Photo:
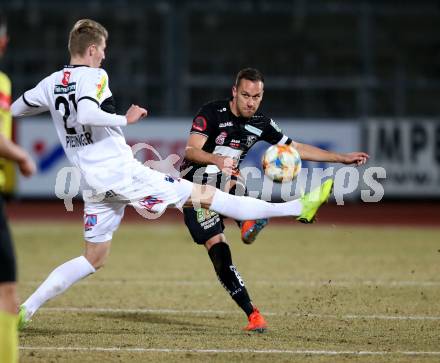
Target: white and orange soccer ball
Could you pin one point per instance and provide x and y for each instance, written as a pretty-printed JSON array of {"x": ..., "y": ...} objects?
[{"x": 281, "y": 163}]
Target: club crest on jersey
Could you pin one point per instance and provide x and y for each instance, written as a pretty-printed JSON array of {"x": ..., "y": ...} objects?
[
  {"x": 220, "y": 139},
  {"x": 100, "y": 87},
  {"x": 90, "y": 221},
  {"x": 66, "y": 77},
  {"x": 199, "y": 123}
]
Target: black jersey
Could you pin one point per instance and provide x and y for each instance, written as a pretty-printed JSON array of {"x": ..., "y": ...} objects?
[{"x": 228, "y": 135}]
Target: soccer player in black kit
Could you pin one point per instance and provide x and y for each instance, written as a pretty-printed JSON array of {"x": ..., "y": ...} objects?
[{"x": 221, "y": 135}]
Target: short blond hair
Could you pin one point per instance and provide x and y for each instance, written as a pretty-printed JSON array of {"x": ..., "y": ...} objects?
[{"x": 84, "y": 33}]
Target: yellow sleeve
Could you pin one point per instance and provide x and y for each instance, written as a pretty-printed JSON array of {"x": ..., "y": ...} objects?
[
  {"x": 7, "y": 168},
  {"x": 5, "y": 104}
]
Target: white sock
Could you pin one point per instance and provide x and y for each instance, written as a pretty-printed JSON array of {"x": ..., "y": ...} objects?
[
  {"x": 57, "y": 282},
  {"x": 243, "y": 208}
]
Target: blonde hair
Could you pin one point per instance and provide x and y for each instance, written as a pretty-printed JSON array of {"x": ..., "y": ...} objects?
[{"x": 84, "y": 33}]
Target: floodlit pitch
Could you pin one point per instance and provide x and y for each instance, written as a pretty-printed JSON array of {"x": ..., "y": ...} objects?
[{"x": 340, "y": 293}]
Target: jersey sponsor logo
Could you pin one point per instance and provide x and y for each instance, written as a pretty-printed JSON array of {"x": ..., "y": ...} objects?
[
  {"x": 221, "y": 109},
  {"x": 275, "y": 125},
  {"x": 199, "y": 123},
  {"x": 100, "y": 87},
  {"x": 234, "y": 143},
  {"x": 253, "y": 130},
  {"x": 204, "y": 214},
  {"x": 90, "y": 220},
  {"x": 207, "y": 218},
  {"x": 79, "y": 140},
  {"x": 220, "y": 139},
  {"x": 63, "y": 89},
  {"x": 149, "y": 202},
  {"x": 225, "y": 124},
  {"x": 66, "y": 77},
  {"x": 251, "y": 140}
]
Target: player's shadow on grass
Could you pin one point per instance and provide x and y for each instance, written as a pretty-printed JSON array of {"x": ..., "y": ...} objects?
[
  {"x": 148, "y": 318},
  {"x": 141, "y": 318}
]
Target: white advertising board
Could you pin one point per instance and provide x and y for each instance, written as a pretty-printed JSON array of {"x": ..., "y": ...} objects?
[
  {"x": 167, "y": 139},
  {"x": 409, "y": 151}
]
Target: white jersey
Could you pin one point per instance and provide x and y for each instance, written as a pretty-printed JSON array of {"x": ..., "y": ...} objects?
[
  {"x": 99, "y": 151},
  {"x": 80, "y": 102}
]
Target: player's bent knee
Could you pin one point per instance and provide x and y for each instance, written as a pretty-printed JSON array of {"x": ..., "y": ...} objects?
[
  {"x": 97, "y": 253},
  {"x": 214, "y": 240}
]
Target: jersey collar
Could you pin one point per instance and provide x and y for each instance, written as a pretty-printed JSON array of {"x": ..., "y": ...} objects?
[{"x": 75, "y": 65}]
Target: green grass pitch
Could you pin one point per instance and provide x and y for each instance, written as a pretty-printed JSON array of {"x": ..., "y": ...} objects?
[{"x": 329, "y": 293}]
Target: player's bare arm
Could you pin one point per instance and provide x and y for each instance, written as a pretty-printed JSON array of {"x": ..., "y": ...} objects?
[
  {"x": 13, "y": 152},
  {"x": 194, "y": 152},
  {"x": 135, "y": 113},
  {"x": 313, "y": 153}
]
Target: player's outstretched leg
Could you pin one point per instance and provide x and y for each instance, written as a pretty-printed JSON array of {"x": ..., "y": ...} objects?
[
  {"x": 251, "y": 229},
  {"x": 245, "y": 208},
  {"x": 313, "y": 200}
]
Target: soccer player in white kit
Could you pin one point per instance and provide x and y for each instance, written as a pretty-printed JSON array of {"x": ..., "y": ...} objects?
[{"x": 81, "y": 105}]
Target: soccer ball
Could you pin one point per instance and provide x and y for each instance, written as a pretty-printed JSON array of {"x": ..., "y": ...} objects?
[{"x": 281, "y": 163}]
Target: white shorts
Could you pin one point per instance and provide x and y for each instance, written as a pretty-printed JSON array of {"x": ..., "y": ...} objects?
[{"x": 150, "y": 193}]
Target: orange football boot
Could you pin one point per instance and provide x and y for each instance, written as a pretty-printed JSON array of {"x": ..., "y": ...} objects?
[
  {"x": 256, "y": 322},
  {"x": 250, "y": 229}
]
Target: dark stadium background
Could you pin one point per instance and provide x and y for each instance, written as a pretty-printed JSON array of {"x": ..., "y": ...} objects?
[
  {"x": 357, "y": 62},
  {"x": 326, "y": 59}
]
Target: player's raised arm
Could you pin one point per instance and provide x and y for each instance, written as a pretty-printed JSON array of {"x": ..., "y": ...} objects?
[
  {"x": 30, "y": 103},
  {"x": 313, "y": 153},
  {"x": 135, "y": 113},
  {"x": 89, "y": 113}
]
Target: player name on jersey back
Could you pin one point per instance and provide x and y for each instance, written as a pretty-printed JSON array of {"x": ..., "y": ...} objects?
[
  {"x": 78, "y": 140},
  {"x": 96, "y": 147}
]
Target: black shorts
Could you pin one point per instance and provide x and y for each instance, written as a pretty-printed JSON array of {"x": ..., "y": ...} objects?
[
  {"x": 7, "y": 257},
  {"x": 203, "y": 224}
]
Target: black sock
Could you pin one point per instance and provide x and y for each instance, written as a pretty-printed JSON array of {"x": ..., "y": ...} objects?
[{"x": 229, "y": 277}]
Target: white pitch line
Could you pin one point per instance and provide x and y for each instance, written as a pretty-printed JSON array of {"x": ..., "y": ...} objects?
[
  {"x": 317, "y": 283},
  {"x": 216, "y": 351},
  {"x": 227, "y": 312}
]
